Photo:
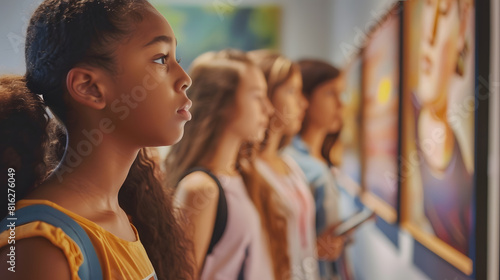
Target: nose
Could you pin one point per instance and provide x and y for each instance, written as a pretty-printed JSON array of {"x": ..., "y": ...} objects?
[
  {"x": 184, "y": 81},
  {"x": 431, "y": 37},
  {"x": 303, "y": 101},
  {"x": 338, "y": 102},
  {"x": 268, "y": 107}
]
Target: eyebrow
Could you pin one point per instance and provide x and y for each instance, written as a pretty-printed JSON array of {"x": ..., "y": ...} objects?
[{"x": 162, "y": 38}]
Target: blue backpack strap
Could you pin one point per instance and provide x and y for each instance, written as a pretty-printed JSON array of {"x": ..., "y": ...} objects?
[{"x": 90, "y": 268}]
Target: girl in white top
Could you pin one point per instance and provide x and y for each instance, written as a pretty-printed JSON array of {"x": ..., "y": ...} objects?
[
  {"x": 281, "y": 172},
  {"x": 230, "y": 110}
]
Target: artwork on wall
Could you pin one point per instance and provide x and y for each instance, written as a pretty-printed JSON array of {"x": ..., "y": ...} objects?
[
  {"x": 346, "y": 153},
  {"x": 206, "y": 28},
  {"x": 380, "y": 116},
  {"x": 437, "y": 170}
]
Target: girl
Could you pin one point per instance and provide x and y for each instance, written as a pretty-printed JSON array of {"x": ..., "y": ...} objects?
[
  {"x": 311, "y": 149},
  {"x": 233, "y": 237},
  {"x": 107, "y": 70},
  {"x": 285, "y": 92},
  {"x": 284, "y": 84}
]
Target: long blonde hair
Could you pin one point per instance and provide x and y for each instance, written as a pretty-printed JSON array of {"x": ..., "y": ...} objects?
[
  {"x": 216, "y": 76},
  {"x": 278, "y": 70}
]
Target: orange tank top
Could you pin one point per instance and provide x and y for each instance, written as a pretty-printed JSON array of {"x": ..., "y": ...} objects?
[{"x": 119, "y": 259}]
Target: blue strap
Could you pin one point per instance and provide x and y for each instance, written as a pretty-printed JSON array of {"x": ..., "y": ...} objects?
[{"x": 90, "y": 268}]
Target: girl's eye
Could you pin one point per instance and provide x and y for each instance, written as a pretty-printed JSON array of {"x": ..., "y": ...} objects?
[
  {"x": 161, "y": 60},
  {"x": 178, "y": 60}
]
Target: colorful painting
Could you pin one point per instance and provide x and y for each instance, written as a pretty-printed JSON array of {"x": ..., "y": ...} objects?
[
  {"x": 199, "y": 29},
  {"x": 438, "y": 131},
  {"x": 349, "y": 146},
  {"x": 380, "y": 117}
]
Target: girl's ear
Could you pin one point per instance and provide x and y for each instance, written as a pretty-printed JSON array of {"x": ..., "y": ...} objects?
[{"x": 85, "y": 87}]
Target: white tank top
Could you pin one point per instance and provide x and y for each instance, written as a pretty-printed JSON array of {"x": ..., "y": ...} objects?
[{"x": 242, "y": 252}]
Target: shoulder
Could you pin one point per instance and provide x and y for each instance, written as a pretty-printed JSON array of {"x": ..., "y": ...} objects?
[
  {"x": 35, "y": 258},
  {"x": 197, "y": 181},
  {"x": 36, "y": 243},
  {"x": 197, "y": 187},
  {"x": 311, "y": 168}
]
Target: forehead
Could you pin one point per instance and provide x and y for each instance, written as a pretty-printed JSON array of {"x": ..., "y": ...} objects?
[
  {"x": 253, "y": 73},
  {"x": 252, "y": 77},
  {"x": 152, "y": 25},
  {"x": 330, "y": 85},
  {"x": 296, "y": 77}
]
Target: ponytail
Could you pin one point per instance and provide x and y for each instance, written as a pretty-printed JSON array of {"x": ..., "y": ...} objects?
[{"x": 23, "y": 123}]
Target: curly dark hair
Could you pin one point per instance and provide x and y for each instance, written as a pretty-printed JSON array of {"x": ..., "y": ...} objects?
[
  {"x": 61, "y": 35},
  {"x": 23, "y": 121}
]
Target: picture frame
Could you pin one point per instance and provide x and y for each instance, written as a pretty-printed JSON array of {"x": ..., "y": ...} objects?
[
  {"x": 438, "y": 157},
  {"x": 380, "y": 125}
]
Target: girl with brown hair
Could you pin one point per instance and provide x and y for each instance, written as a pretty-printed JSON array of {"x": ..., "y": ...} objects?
[
  {"x": 284, "y": 81},
  {"x": 322, "y": 84},
  {"x": 107, "y": 70},
  {"x": 237, "y": 229}
]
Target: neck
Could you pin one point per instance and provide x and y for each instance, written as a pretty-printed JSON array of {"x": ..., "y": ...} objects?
[
  {"x": 224, "y": 158},
  {"x": 314, "y": 138},
  {"x": 271, "y": 151},
  {"x": 92, "y": 171}
]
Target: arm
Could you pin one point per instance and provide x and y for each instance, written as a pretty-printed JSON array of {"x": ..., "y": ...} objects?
[
  {"x": 36, "y": 258},
  {"x": 197, "y": 196}
]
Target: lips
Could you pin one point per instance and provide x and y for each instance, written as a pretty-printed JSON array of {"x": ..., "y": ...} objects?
[
  {"x": 184, "y": 111},
  {"x": 426, "y": 64}
]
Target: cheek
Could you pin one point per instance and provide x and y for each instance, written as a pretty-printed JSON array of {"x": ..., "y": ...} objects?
[
  {"x": 286, "y": 110},
  {"x": 154, "y": 118},
  {"x": 315, "y": 113},
  {"x": 448, "y": 60},
  {"x": 245, "y": 121}
]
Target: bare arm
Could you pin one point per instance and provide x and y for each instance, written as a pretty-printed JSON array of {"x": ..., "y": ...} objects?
[
  {"x": 197, "y": 196},
  {"x": 35, "y": 258}
]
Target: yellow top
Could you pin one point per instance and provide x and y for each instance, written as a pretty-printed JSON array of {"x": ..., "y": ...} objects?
[{"x": 119, "y": 259}]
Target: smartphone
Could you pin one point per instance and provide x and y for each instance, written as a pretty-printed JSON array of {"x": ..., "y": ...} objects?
[{"x": 353, "y": 222}]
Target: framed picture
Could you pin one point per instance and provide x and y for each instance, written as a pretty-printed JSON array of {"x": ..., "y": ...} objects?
[
  {"x": 437, "y": 166},
  {"x": 200, "y": 29},
  {"x": 380, "y": 116},
  {"x": 346, "y": 152}
]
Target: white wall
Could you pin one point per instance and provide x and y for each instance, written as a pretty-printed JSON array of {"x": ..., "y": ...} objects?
[{"x": 14, "y": 17}]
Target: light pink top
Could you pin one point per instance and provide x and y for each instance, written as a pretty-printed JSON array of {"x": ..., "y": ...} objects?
[
  {"x": 242, "y": 252},
  {"x": 299, "y": 209}
]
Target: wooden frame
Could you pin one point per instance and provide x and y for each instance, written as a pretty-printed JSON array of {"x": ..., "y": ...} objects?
[{"x": 418, "y": 185}]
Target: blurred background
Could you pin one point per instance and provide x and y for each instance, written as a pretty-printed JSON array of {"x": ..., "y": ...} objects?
[{"x": 376, "y": 43}]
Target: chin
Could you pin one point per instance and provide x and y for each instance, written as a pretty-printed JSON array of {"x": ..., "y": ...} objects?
[
  {"x": 177, "y": 139},
  {"x": 292, "y": 130},
  {"x": 336, "y": 127},
  {"x": 172, "y": 136},
  {"x": 257, "y": 137},
  {"x": 426, "y": 92}
]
